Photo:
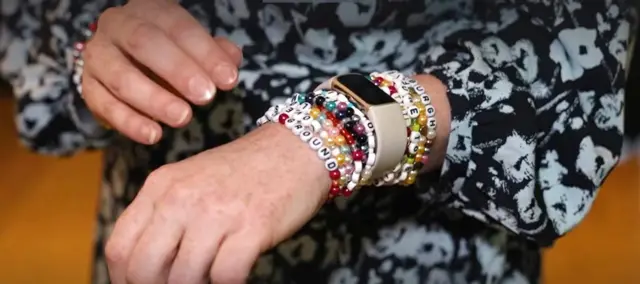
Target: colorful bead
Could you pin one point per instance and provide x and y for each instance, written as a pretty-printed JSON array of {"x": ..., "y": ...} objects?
[
  {"x": 283, "y": 118},
  {"x": 334, "y": 175}
]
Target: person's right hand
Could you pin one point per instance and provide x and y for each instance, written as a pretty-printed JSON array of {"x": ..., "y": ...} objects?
[{"x": 146, "y": 60}]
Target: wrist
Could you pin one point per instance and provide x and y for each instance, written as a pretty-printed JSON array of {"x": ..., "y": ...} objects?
[
  {"x": 290, "y": 159},
  {"x": 438, "y": 93}
]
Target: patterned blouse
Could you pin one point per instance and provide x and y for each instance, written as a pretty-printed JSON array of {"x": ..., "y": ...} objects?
[{"x": 536, "y": 90}]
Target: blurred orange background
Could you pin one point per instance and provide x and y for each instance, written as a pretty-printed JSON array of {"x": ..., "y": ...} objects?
[{"x": 47, "y": 209}]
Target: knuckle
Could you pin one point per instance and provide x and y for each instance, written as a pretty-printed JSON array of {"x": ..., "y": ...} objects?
[
  {"x": 115, "y": 253},
  {"x": 108, "y": 15},
  {"x": 140, "y": 35},
  {"x": 161, "y": 176}
]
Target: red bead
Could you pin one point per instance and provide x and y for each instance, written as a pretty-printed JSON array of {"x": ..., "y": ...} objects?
[
  {"x": 344, "y": 132},
  {"x": 334, "y": 175},
  {"x": 282, "y": 118},
  {"x": 357, "y": 155},
  {"x": 334, "y": 191},
  {"x": 392, "y": 90},
  {"x": 93, "y": 27},
  {"x": 408, "y": 131},
  {"x": 350, "y": 140},
  {"x": 346, "y": 193}
]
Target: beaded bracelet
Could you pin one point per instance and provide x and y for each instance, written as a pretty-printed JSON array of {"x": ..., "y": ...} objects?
[
  {"x": 420, "y": 115},
  {"x": 353, "y": 123},
  {"x": 320, "y": 136},
  {"x": 78, "y": 61}
]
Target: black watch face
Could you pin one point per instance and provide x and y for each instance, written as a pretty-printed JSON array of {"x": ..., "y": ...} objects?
[{"x": 365, "y": 89}]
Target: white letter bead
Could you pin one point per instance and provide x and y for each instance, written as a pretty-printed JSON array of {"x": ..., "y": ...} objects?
[
  {"x": 369, "y": 126},
  {"x": 389, "y": 177},
  {"x": 414, "y": 136},
  {"x": 426, "y": 100},
  {"x": 315, "y": 143},
  {"x": 297, "y": 129},
  {"x": 306, "y": 135},
  {"x": 419, "y": 89},
  {"x": 262, "y": 120},
  {"x": 351, "y": 185},
  {"x": 413, "y": 148},
  {"x": 431, "y": 122},
  {"x": 331, "y": 164},
  {"x": 371, "y": 140},
  {"x": 289, "y": 110},
  {"x": 306, "y": 120},
  {"x": 324, "y": 153},
  {"x": 358, "y": 166},
  {"x": 355, "y": 176},
  {"x": 404, "y": 175},
  {"x": 305, "y": 107},
  {"x": 430, "y": 110},
  {"x": 290, "y": 122},
  {"x": 371, "y": 159},
  {"x": 316, "y": 125},
  {"x": 407, "y": 168},
  {"x": 298, "y": 115}
]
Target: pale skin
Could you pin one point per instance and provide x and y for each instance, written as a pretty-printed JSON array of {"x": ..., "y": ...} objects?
[{"x": 200, "y": 220}]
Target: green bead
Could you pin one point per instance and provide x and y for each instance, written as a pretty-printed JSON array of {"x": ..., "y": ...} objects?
[
  {"x": 330, "y": 106},
  {"x": 415, "y": 127},
  {"x": 301, "y": 99}
]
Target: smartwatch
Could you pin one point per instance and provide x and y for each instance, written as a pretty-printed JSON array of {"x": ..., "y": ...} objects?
[{"x": 384, "y": 113}]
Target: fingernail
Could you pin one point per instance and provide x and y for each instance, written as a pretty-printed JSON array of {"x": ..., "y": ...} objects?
[
  {"x": 151, "y": 134},
  {"x": 178, "y": 113},
  {"x": 202, "y": 90},
  {"x": 226, "y": 73}
]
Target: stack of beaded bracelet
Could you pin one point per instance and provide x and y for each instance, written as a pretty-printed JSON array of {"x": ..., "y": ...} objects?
[
  {"x": 78, "y": 61},
  {"x": 353, "y": 124},
  {"x": 341, "y": 127},
  {"x": 322, "y": 135},
  {"x": 421, "y": 124}
]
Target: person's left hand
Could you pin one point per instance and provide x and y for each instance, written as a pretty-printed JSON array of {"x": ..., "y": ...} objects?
[{"x": 208, "y": 218}]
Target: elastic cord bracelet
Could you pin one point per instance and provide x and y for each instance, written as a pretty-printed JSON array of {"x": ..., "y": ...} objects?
[
  {"x": 421, "y": 124},
  {"x": 322, "y": 137},
  {"x": 78, "y": 61},
  {"x": 355, "y": 126}
]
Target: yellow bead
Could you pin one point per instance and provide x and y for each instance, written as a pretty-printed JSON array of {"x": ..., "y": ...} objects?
[
  {"x": 418, "y": 157},
  {"x": 410, "y": 180},
  {"x": 340, "y": 158},
  {"x": 314, "y": 113},
  {"x": 422, "y": 119},
  {"x": 340, "y": 140},
  {"x": 329, "y": 142},
  {"x": 343, "y": 180}
]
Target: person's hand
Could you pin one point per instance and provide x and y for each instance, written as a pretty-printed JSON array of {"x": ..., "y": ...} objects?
[
  {"x": 207, "y": 218},
  {"x": 146, "y": 60}
]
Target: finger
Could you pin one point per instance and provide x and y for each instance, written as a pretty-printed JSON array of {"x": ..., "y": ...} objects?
[
  {"x": 133, "y": 222},
  {"x": 197, "y": 250},
  {"x": 124, "y": 237},
  {"x": 149, "y": 46},
  {"x": 133, "y": 87},
  {"x": 157, "y": 247},
  {"x": 235, "y": 259},
  {"x": 231, "y": 49},
  {"x": 118, "y": 115},
  {"x": 195, "y": 40}
]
